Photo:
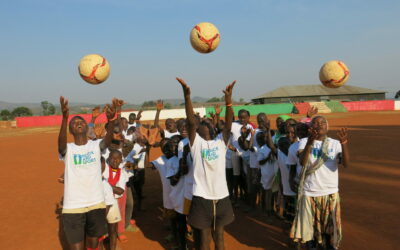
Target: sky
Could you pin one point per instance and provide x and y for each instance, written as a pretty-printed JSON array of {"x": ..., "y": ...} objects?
[{"x": 265, "y": 44}]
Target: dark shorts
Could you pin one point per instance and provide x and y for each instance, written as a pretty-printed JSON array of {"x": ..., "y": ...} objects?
[
  {"x": 92, "y": 223},
  {"x": 201, "y": 215}
]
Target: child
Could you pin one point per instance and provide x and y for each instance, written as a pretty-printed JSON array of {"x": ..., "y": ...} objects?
[
  {"x": 175, "y": 175},
  {"x": 170, "y": 124},
  {"x": 84, "y": 209},
  {"x": 134, "y": 120},
  {"x": 160, "y": 164},
  {"x": 318, "y": 210},
  {"x": 289, "y": 196},
  {"x": 117, "y": 178},
  {"x": 211, "y": 209},
  {"x": 266, "y": 157}
]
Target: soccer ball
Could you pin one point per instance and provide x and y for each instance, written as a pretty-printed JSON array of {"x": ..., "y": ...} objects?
[
  {"x": 94, "y": 69},
  {"x": 334, "y": 74},
  {"x": 205, "y": 37}
]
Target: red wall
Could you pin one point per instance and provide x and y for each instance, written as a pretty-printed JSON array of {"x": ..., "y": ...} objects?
[
  {"x": 302, "y": 107},
  {"x": 52, "y": 120},
  {"x": 369, "y": 105}
]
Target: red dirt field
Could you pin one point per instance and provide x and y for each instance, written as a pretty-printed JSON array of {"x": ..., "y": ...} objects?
[{"x": 369, "y": 189}]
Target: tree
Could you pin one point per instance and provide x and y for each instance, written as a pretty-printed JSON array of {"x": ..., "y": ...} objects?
[
  {"x": 5, "y": 115},
  {"x": 149, "y": 104},
  {"x": 48, "y": 108},
  {"x": 167, "y": 106},
  {"x": 214, "y": 99},
  {"x": 21, "y": 111}
]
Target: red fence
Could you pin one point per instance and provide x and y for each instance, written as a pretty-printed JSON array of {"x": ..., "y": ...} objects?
[
  {"x": 302, "y": 107},
  {"x": 52, "y": 120},
  {"x": 369, "y": 105}
]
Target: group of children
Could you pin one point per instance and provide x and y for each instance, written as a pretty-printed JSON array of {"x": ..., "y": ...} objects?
[{"x": 207, "y": 165}]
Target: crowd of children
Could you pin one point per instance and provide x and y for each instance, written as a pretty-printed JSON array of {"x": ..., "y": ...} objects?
[{"x": 207, "y": 167}]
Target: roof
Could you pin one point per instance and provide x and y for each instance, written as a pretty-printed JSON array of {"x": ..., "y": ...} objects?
[{"x": 316, "y": 90}]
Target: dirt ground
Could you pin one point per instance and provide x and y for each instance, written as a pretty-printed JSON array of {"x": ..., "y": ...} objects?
[{"x": 369, "y": 189}]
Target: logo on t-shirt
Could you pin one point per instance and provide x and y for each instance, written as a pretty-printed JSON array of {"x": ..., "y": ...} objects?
[
  {"x": 84, "y": 158},
  {"x": 209, "y": 154}
]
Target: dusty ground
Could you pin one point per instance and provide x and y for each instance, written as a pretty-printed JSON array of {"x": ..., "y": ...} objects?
[{"x": 369, "y": 190}]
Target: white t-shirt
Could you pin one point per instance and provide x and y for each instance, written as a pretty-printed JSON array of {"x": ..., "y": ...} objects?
[
  {"x": 292, "y": 158},
  {"x": 108, "y": 193},
  {"x": 123, "y": 178},
  {"x": 284, "y": 174},
  {"x": 188, "y": 178},
  {"x": 82, "y": 175},
  {"x": 209, "y": 168},
  {"x": 236, "y": 133},
  {"x": 168, "y": 134},
  {"x": 253, "y": 155},
  {"x": 325, "y": 180},
  {"x": 177, "y": 192},
  {"x": 131, "y": 125},
  {"x": 135, "y": 156},
  {"x": 269, "y": 169},
  {"x": 160, "y": 165}
]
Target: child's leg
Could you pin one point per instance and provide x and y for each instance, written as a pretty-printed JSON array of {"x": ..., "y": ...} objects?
[
  {"x": 182, "y": 229},
  {"x": 174, "y": 227},
  {"x": 268, "y": 201},
  {"x": 122, "y": 206},
  {"x": 113, "y": 235},
  {"x": 129, "y": 206},
  {"x": 205, "y": 239},
  {"x": 218, "y": 237}
]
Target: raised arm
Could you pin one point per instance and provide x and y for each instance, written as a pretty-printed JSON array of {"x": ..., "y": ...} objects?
[
  {"x": 62, "y": 136},
  {"x": 305, "y": 154},
  {"x": 110, "y": 113},
  {"x": 139, "y": 115},
  {"x": 191, "y": 120},
  {"x": 342, "y": 134},
  {"x": 269, "y": 140},
  {"x": 159, "y": 107},
  {"x": 228, "y": 112},
  {"x": 95, "y": 113}
]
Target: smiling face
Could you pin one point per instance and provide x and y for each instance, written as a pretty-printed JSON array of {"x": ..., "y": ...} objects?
[
  {"x": 78, "y": 126},
  {"x": 262, "y": 121},
  {"x": 182, "y": 128},
  {"x": 291, "y": 133},
  {"x": 124, "y": 123},
  {"x": 115, "y": 159}
]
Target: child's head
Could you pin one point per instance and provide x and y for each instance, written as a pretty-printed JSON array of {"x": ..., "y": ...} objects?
[
  {"x": 291, "y": 133},
  {"x": 320, "y": 124},
  {"x": 244, "y": 116},
  {"x": 131, "y": 130},
  {"x": 260, "y": 138},
  {"x": 114, "y": 159},
  {"x": 172, "y": 146},
  {"x": 302, "y": 130},
  {"x": 182, "y": 128},
  {"x": 124, "y": 123},
  {"x": 207, "y": 130},
  {"x": 165, "y": 148},
  {"x": 78, "y": 126},
  {"x": 132, "y": 117},
  {"x": 244, "y": 131},
  {"x": 262, "y": 121},
  {"x": 284, "y": 144},
  {"x": 127, "y": 147},
  {"x": 170, "y": 125}
]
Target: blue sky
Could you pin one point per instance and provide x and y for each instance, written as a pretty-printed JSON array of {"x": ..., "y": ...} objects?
[{"x": 264, "y": 45}]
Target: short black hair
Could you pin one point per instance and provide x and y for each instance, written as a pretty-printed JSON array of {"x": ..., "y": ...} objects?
[
  {"x": 243, "y": 111},
  {"x": 73, "y": 119}
]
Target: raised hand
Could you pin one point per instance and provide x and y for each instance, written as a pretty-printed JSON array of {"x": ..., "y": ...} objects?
[
  {"x": 185, "y": 87},
  {"x": 159, "y": 105},
  {"x": 343, "y": 135},
  {"x": 313, "y": 110},
  {"x": 64, "y": 107},
  {"x": 217, "y": 109},
  {"x": 139, "y": 115},
  {"x": 110, "y": 111},
  {"x": 228, "y": 93},
  {"x": 96, "y": 112},
  {"x": 314, "y": 133}
]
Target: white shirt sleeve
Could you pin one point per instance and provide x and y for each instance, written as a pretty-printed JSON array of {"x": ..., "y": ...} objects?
[
  {"x": 302, "y": 143},
  {"x": 263, "y": 153},
  {"x": 180, "y": 149}
]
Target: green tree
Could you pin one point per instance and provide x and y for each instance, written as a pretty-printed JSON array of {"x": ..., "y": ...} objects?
[
  {"x": 48, "y": 108},
  {"x": 5, "y": 115},
  {"x": 167, "y": 106},
  {"x": 149, "y": 104},
  {"x": 21, "y": 111},
  {"x": 214, "y": 99}
]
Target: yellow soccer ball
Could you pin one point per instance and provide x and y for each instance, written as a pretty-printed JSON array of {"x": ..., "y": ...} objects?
[
  {"x": 94, "y": 69},
  {"x": 334, "y": 74},
  {"x": 205, "y": 37}
]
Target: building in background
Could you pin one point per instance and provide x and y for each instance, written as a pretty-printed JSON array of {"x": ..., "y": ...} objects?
[{"x": 318, "y": 93}]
